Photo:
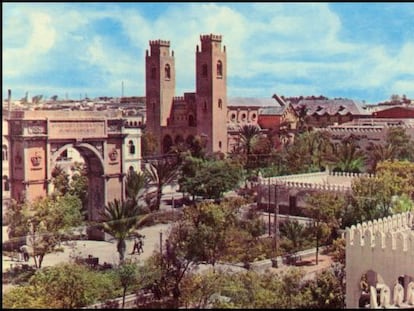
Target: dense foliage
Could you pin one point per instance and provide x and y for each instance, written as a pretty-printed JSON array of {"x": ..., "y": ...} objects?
[{"x": 44, "y": 222}]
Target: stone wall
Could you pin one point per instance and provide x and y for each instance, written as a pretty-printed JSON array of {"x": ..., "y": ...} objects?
[{"x": 384, "y": 246}]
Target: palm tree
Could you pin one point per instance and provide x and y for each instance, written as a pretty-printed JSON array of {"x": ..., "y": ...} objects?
[
  {"x": 294, "y": 232},
  {"x": 158, "y": 174},
  {"x": 120, "y": 219},
  {"x": 302, "y": 112},
  {"x": 135, "y": 186},
  {"x": 378, "y": 152},
  {"x": 347, "y": 156},
  {"x": 248, "y": 136}
]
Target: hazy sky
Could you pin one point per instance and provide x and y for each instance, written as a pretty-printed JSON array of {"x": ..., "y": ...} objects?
[{"x": 362, "y": 51}]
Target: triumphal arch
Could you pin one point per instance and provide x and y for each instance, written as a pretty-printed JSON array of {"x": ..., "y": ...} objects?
[{"x": 37, "y": 138}]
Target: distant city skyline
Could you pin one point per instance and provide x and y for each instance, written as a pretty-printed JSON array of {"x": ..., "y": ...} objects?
[{"x": 360, "y": 51}]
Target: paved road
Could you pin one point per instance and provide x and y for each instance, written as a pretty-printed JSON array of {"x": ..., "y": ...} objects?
[{"x": 105, "y": 251}]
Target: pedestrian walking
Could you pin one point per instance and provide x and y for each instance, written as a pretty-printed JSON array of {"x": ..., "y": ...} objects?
[
  {"x": 25, "y": 251},
  {"x": 136, "y": 246}
]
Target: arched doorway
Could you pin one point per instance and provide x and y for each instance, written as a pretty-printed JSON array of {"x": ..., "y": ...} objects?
[
  {"x": 167, "y": 143},
  {"x": 178, "y": 139},
  {"x": 95, "y": 172}
]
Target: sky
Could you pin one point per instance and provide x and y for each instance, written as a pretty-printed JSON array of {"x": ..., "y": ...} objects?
[{"x": 360, "y": 51}]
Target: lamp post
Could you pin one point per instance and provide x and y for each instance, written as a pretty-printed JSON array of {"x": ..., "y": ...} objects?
[
  {"x": 268, "y": 203},
  {"x": 161, "y": 243},
  {"x": 276, "y": 228}
]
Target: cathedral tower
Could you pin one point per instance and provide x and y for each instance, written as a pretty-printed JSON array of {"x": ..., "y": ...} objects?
[
  {"x": 160, "y": 86},
  {"x": 211, "y": 92}
]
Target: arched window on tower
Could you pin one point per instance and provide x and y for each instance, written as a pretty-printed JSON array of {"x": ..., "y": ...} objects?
[
  {"x": 153, "y": 73},
  {"x": 191, "y": 121},
  {"x": 6, "y": 185},
  {"x": 220, "y": 103},
  {"x": 219, "y": 69},
  {"x": 205, "y": 70},
  {"x": 4, "y": 153},
  {"x": 167, "y": 72},
  {"x": 131, "y": 147}
]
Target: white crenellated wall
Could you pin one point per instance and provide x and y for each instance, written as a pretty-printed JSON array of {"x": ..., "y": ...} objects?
[
  {"x": 300, "y": 184},
  {"x": 385, "y": 246}
]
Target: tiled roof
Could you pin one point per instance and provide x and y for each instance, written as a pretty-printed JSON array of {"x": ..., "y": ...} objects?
[
  {"x": 272, "y": 111},
  {"x": 330, "y": 106},
  {"x": 251, "y": 102}
]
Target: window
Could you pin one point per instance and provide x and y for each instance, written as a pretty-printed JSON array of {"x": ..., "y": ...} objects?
[
  {"x": 233, "y": 116},
  {"x": 205, "y": 70},
  {"x": 220, "y": 144},
  {"x": 131, "y": 169},
  {"x": 243, "y": 117},
  {"x": 153, "y": 73},
  {"x": 220, "y": 103},
  {"x": 131, "y": 147},
  {"x": 219, "y": 69},
  {"x": 253, "y": 116},
  {"x": 167, "y": 72},
  {"x": 4, "y": 154},
  {"x": 191, "y": 121},
  {"x": 292, "y": 205},
  {"x": 6, "y": 185}
]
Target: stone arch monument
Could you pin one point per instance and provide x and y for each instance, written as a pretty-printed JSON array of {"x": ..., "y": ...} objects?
[{"x": 37, "y": 138}]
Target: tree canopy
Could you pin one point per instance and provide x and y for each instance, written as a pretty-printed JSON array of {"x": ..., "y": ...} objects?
[
  {"x": 44, "y": 221},
  {"x": 209, "y": 179}
]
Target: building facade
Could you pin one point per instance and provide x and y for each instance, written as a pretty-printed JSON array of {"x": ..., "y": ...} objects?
[
  {"x": 5, "y": 158},
  {"x": 367, "y": 131},
  {"x": 322, "y": 112},
  {"x": 203, "y": 113}
]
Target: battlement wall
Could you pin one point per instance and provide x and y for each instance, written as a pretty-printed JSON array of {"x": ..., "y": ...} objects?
[
  {"x": 322, "y": 181},
  {"x": 385, "y": 246},
  {"x": 178, "y": 99},
  {"x": 393, "y": 232},
  {"x": 159, "y": 43},
  {"x": 210, "y": 37}
]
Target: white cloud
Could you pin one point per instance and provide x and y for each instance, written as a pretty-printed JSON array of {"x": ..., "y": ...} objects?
[
  {"x": 285, "y": 41},
  {"x": 40, "y": 39},
  {"x": 403, "y": 87}
]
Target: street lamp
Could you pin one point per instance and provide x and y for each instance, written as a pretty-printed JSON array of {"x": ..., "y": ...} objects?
[
  {"x": 161, "y": 243},
  {"x": 268, "y": 203},
  {"x": 276, "y": 228}
]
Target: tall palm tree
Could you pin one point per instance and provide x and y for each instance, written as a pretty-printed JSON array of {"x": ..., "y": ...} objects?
[
  {"x": 158, "y": 174},
  {"x": 135, "y": 186},
  {"x": 347, "y": 156},
  {"x": 379, "y": 152},
  {"x": 302, "y": 112},
  {"x": 121, "y": 219},
  {"x": 294, "y": 232},
  {"x": 248, "y": 136}
]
